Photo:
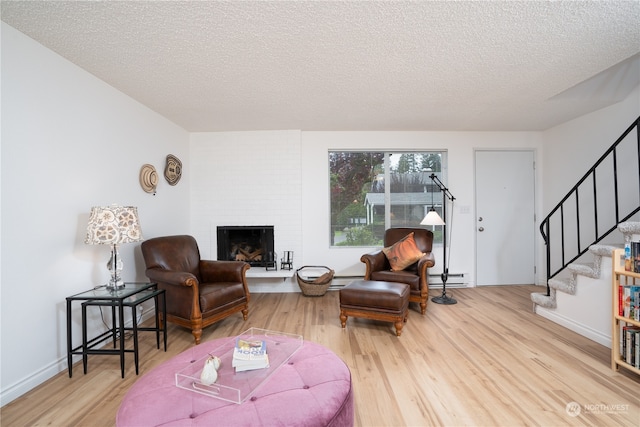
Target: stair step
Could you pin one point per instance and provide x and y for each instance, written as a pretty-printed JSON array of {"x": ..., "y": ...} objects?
[
  {"x": 592, "y": 270},
  {"x": 605, "y": 249},
  {"x": 589, "y": 270},
  {"x": 563, "y": 285},
  {"x": 544, "y": 300},
  {"x": 629, "y": 228}
]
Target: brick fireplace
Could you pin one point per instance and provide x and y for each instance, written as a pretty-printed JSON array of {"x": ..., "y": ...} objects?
[{"x": 253, "y": 244}]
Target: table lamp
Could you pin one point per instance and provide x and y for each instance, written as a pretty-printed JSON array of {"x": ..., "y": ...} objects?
[{"x": 113, "y": 225}]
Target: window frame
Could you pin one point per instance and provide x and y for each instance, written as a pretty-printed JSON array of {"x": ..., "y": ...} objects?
[{"x": 410, "y": 209}]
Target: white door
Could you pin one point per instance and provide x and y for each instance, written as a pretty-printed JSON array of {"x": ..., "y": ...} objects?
[{"x": 505, "y": 221}]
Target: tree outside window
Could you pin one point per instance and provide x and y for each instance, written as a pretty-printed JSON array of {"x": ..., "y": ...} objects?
[{"x": 363, "y": 205}]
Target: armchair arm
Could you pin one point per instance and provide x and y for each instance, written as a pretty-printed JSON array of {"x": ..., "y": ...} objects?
[
  {"x": 223, "y": 271},
  {"x": 427, "y": 261},
  {"x": 170, "y": 277},
  {"x": 374, "y": 261},
  {"x": 182, "y": 292},
  {"x": 424, "y": 263}
]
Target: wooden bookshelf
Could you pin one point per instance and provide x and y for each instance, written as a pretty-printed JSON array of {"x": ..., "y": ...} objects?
[{"x": 621, "y": 277}]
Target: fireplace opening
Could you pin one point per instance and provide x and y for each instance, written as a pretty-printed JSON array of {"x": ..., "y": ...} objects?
[{"x": 251, "y": 244}]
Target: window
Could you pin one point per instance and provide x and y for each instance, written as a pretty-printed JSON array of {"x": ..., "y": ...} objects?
[{"x": 363, "y": 205}]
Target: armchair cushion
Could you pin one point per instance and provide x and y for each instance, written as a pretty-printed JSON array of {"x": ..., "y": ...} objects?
[
  {"x": 218, "y": 297},
  {"x": 403, "y": 253}
]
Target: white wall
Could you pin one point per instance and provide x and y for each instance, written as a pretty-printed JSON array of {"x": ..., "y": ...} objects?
[
  {"x": 69, "y": 142},
  {"x": 246, "y": 178},
  {"x": 460, "y": 147},
  {"x": 571, "y": 148},
  {"x": 281, "y": 178}
]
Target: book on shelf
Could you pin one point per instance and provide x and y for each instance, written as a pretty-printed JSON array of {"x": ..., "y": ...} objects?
[
  {"x": 626, "y": 301},
  {"x": 637, "y": 349},
  {"x": 631, "y": 340},
  {"x": 635, "y": 257},
  {"x": 629, "y": 301},
  {"x": 629, "y": 337},
  {"x": 249, "y": 354},
  {"x": 634, "y": 304},
  {"x": 632, "y": 256}
]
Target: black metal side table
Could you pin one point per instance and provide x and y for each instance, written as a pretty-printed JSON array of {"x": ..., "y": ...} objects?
[{"x": 131, "y": 296}]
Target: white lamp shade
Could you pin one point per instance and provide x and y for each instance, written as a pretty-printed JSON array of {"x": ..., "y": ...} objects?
[
  {"x": 112, "y": 225},
  {"x": 432, "y": 218}
]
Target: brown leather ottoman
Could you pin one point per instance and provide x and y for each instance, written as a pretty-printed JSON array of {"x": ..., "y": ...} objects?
[{"x": 385, "y": 301}]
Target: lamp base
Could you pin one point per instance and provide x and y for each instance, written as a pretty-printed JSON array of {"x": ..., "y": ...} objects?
[
  {"x": 444, "y": 299},
  {"x": 115, "y": 267},
  {"x": 115, "y": 285}
]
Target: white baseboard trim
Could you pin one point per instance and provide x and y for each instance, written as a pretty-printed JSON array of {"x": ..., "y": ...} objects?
[
  {"x": 30, "y": 382},
  {"x": 38, "y": 377},
  {"x": 576, "y": 327}
]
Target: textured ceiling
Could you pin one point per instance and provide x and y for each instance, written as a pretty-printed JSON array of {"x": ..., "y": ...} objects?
[{"x": 350, "y": 65}]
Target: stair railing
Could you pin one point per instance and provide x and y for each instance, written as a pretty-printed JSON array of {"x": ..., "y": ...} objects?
[{"x": 585, "y": 201}]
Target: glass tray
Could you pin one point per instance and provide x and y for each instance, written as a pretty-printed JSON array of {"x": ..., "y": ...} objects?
[{"x": 238, "y": 387}]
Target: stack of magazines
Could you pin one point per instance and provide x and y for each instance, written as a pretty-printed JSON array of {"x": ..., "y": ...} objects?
[{"x": 249, "y": 355}]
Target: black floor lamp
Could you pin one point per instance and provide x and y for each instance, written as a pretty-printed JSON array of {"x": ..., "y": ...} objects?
[{"x": 433, "y": 218}]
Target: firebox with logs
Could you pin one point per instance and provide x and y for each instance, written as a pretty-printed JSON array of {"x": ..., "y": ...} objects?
[
  {"x": 247, "y": 254},
  {"x": 251, "y": 244}
]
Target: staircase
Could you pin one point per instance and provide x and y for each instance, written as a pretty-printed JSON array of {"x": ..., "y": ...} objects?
[
  {"x": 580, "y": 298},
  {"x": 601, "y": 208},
  {"x": 592, "y": 270}
]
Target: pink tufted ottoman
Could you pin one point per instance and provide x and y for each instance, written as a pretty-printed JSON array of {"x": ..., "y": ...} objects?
[{"x": 312, "y": 389}]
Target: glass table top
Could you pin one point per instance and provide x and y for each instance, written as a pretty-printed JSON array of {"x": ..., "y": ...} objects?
[{"x": 101, "y": 292}]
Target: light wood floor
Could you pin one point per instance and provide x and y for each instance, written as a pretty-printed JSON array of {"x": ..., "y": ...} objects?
[{"x": 487, "y": 361}]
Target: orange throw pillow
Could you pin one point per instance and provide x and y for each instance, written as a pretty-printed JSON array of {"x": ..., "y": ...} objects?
[{"x": 403, "y": 253}]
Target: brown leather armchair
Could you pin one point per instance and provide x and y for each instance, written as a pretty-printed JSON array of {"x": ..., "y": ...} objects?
[
  {"x": 198, "y": 292},
  {"x": 416, "y": 275}
]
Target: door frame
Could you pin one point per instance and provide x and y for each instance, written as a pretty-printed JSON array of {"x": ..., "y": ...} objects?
[{"x": 534, "y": 152}]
